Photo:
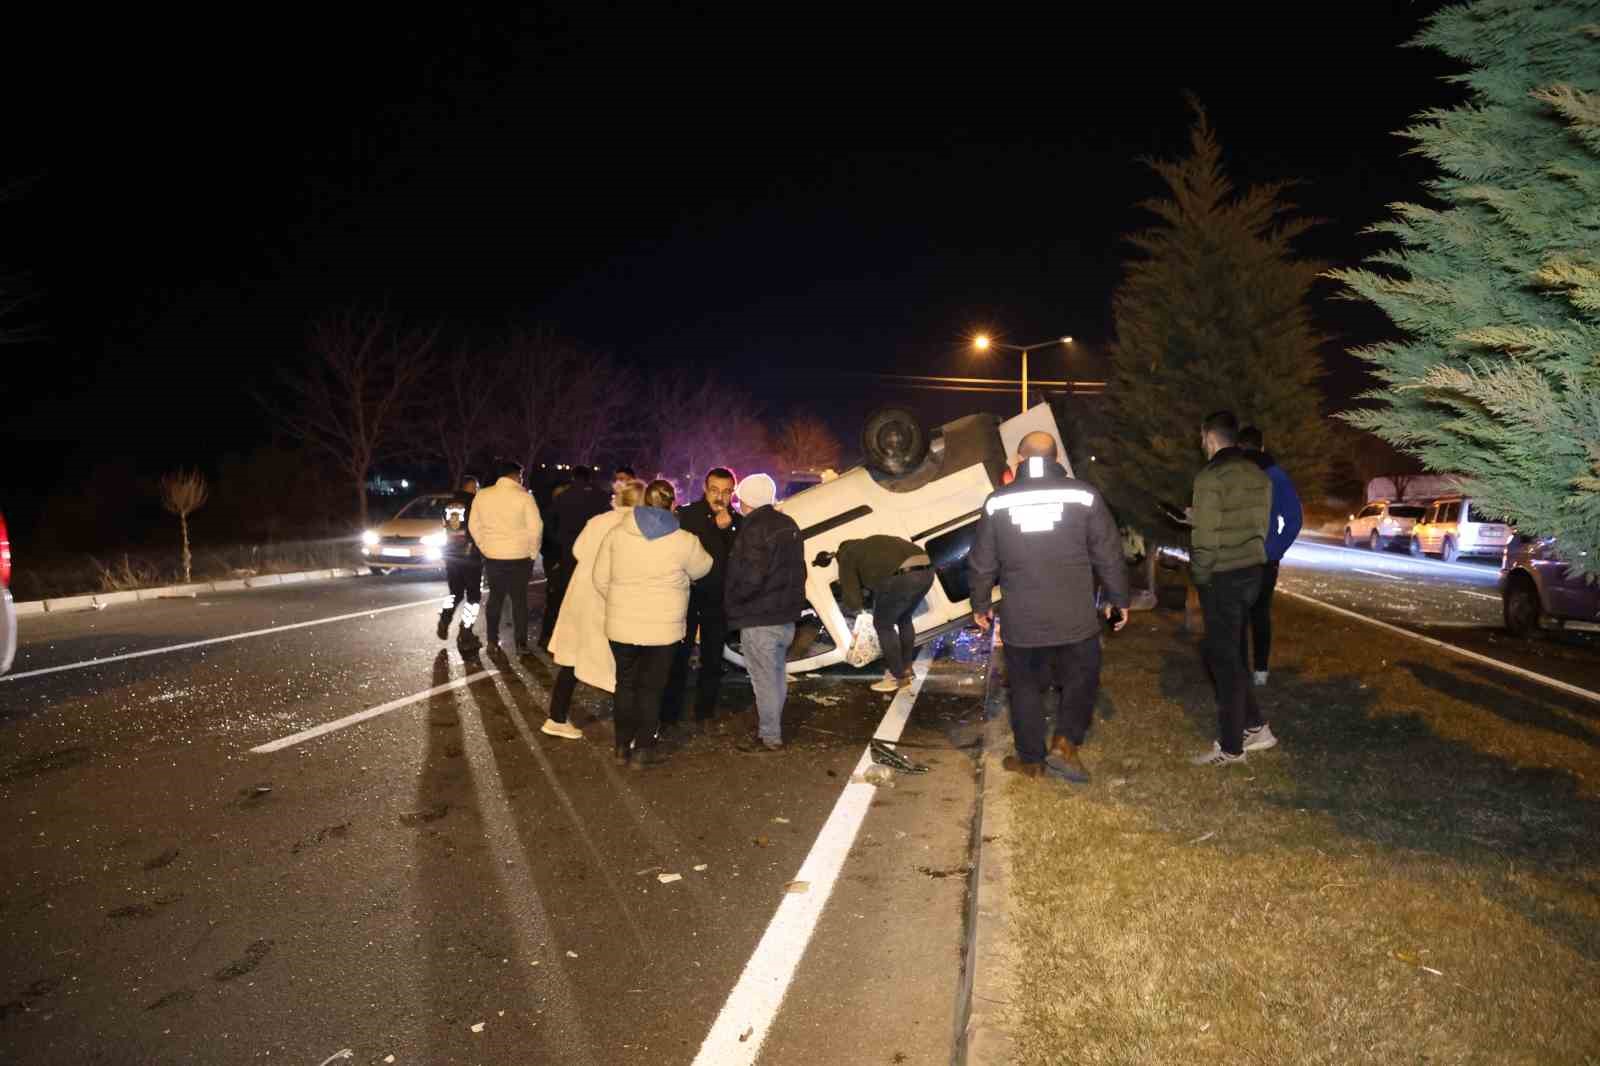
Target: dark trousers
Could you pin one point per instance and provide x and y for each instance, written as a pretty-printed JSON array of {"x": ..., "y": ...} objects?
[
  {"x": 508, "y": 577},
  {"x": 1029, "y": 671},
  {"x": 1227, "y": 601},
  {"x": 557, "y": 576},
  {"x": 1261, "y": 617},
  {"x": 465, "y": 581},
  {"x": 641, "y": 677},
  {"x": 561, "y": 694},
  {"x": 895, "y": 600},
  {"x": 713, "y": 629}
]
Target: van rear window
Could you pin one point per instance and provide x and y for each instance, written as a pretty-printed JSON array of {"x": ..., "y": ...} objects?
[{"x": 1406, "y": 512}]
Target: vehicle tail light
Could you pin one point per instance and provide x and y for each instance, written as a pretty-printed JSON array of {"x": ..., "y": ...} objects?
[{"x": 5, "y": 555}]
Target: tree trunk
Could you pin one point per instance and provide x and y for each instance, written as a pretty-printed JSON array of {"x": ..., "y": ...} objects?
[
  {"x": 183, "y": 523},
  {"x": 361, "y": 503}
]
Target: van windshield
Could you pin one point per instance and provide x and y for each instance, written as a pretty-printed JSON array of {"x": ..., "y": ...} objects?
[
  {"x": 1475, "y": 515},
  {"x": 429, "y": 507},
  {"x": 1405, "y": 512}
]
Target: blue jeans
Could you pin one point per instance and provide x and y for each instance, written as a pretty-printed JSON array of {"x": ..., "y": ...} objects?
[{"x": 766, "y": 650}]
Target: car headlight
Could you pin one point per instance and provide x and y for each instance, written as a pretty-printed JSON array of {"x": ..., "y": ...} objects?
[
  {"x": 370, "y": 538},
  {"x": 434, "y": 540}
]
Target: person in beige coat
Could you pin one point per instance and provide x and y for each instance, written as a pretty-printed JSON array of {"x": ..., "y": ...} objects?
[
  {"x": 579, "y": 644},
  {"x": 643, "y": 571}
]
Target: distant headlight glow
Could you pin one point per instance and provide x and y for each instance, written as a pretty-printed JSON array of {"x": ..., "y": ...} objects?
[
  {"x": 370, "y": 538},
  {"x": 434, "y": 540}
]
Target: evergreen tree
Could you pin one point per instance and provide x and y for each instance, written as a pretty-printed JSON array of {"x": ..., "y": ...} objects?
[
  {"x": 1497, "y": 287},
  {"x": 1214, "y": 315}
]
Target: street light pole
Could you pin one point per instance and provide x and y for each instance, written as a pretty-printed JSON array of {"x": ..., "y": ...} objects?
[{"x": 982, "y": 342}]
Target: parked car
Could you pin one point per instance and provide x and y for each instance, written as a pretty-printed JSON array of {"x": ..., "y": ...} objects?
[
  {"x": 927, "y": 488},
  {"x": 1382, "y": 523},
  {"x": 1535, "y": 587},
  {"x": 8, "y": 609},
  {"x": 412, "y": 540},
  {"x": 1453, "y": 527}
]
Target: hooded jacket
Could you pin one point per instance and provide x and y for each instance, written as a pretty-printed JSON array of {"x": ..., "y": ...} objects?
[
  {"x": 1286, "y": 514},
  {"x": 1232, "y": 508},
  {"x": 1045, "y": 539},
  {"x": 579, "y": 640},
  {"x": 505, "y": 521},
  {"x": 766, "y": 582},
  {"x": 643, "y": 570}
]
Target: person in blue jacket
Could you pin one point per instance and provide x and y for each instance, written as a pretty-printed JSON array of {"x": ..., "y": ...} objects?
[{"x": 1281, "y": 532}]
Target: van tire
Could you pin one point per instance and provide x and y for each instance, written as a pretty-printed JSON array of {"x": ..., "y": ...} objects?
[
  {"x": 893, "y": 441},
  {"x": 1447, "y": 550},
  {"x": 1520, "y": 605},
  {"x": 1416, "y": 548}
]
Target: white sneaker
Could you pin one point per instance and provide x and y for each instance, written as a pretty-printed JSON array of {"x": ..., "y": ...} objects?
[
  {"x": 1217, "y": 757},
  {"x": 1260, "y": 677},
  {"x": 565, "y": 730},
  {"x": 889, "y": 683},
  {"x": 1260, "y": 738}
]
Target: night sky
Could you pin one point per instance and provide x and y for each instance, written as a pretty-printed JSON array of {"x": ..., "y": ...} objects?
[{"x": 777, "y": 192}]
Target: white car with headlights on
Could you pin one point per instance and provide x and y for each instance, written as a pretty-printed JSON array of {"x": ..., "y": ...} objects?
[{"x": 412, "y": 540}]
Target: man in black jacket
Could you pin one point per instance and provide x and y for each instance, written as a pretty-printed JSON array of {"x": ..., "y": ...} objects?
[
  {"x": 899, "y": 574},
  {"x": 715, "y": 522},
  {"x": 463, "y": 568},
  {"x": 568, "y": 514},
  {"x": 763, "y": 594},
  {"x": 1046, "y": 538}
]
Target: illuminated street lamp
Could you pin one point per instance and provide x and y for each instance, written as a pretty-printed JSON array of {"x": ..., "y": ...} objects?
[{"x": 982, "y": 342}]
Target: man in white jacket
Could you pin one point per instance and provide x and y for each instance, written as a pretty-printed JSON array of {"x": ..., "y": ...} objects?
[{"x": 506, "y": 526}]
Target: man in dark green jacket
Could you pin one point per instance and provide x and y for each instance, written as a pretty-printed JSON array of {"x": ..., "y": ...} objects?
[
  {"x": 1231, "y": 512},
  {"x": 899, "y": 573}
]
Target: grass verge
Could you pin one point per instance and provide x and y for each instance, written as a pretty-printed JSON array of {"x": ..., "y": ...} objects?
[
  {"x": 42, "y": 578},
  {"x": 1410, "y": 877}
]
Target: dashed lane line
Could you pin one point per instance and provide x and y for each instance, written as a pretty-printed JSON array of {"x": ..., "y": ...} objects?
[
  {"x": 371, "y": 712},
  {"x": 1451, "y": 648},
  {"x": 747, "y": 1016},
  {"x": 169, "y": 648},
  {"x": 1376, "y": 573}
]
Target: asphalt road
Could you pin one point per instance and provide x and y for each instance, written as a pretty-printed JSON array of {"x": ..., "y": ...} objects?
[
  {"x": 1457, "y": 603},
  {"x": 442, "y": 883}
]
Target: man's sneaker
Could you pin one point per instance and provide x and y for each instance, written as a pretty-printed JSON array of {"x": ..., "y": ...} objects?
[
  {"x": 1217, "y": 757},
  {"x": 566, "y": 730},
  {"x": 1064, "y": 760},
  {"x": 444, "y": 626},
  {"x": 1260, "y": 678},
  {"x": 1013, "y": 765},
  {"x": 754, "y": 745},
  {"x": 887, "y": 683},
  {"x": 1260, "y": 738}
]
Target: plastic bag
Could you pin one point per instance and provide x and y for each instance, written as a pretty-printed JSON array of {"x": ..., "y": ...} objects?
[{"x": 864, "y": 646}]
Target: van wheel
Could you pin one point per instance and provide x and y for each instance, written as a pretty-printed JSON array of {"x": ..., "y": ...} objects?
[
  {"x": 893, "y": 441},
  {"x": 1521, "y": 605},
  {"x": 1416, "y": 547},
  {"x": 380, "y": 571},
  {"x": 1447, "y": 551},
  {"x": 1375, "y": 542}
]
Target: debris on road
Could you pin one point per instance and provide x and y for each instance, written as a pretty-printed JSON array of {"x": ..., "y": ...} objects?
[
  {"x": 1203, "y": 837},
  {"x": 797, "y": 886},
  {"x": 572, "y": 954},
  {"x": 700, "y": 867},
  {"x": 878, "y": 775},
  {"x": 762, "y": 842},
  {"x": 667, "y": 879},
  {"x": 478, "y": 1027},
  {"x": 781, "y": 820}
]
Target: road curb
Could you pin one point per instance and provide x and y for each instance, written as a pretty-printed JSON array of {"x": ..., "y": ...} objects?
[
  {"x": 984, "y": 1040},
  {"x": 98, "y": 600}
]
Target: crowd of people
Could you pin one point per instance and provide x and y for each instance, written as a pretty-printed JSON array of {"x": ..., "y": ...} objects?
[{"x": 635, "y": 582}]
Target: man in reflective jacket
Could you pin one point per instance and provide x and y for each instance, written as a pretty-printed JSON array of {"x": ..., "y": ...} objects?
[{"x": 1045, "y": 539}]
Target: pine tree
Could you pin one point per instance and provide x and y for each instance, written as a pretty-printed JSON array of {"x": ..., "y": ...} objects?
[
  {"x": 1214, "y": 315},
  {"x": 1497, "y": 287}
]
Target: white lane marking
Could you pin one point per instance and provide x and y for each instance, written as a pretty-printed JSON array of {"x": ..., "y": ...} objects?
[
  {"x": 371, "y": 712},
  {"x": 1480, "y": 595},
  {"x": 747, "y": 1016},
  {"x": 1487, "y": 660},
  {"x": 1421, "y": 561},
  {"x": 85, "y": 664},
  {"x": 1376, "y": 573}
]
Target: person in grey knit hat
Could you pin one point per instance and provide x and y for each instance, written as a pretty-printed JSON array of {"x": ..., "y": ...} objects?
[{"x": 763, "y": 595}]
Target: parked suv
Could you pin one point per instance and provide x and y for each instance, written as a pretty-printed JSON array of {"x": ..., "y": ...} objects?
[
  {"x": 1382, "y": 523},
  {"x": 1453, "y": 527},
  {"x": 1535, "y": 585}
]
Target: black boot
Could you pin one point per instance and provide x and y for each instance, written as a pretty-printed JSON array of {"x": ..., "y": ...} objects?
[
  {"x": 444, "y": 623},
  {"x": 467, "y": 642}
]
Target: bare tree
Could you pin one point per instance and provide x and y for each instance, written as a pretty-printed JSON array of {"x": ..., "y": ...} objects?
[
  {"x": 600, "y": 398},
  {"x": 349, "y": 401},
  {"x": 806, "y": 443},
  {"x": 460, "y": 416},
  {"x": 184, "y": 492},
  {"x": 539, "y": 370}
]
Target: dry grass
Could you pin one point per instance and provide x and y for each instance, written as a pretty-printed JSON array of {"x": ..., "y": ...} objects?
[
  {"x": 1420, "y": 815},
  {"x": 40, "y": 578}
]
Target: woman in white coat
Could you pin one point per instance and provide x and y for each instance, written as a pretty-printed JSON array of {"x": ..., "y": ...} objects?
[
  {"x": 579, "y": 644},
  {"x": 643, "y": 571}
]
